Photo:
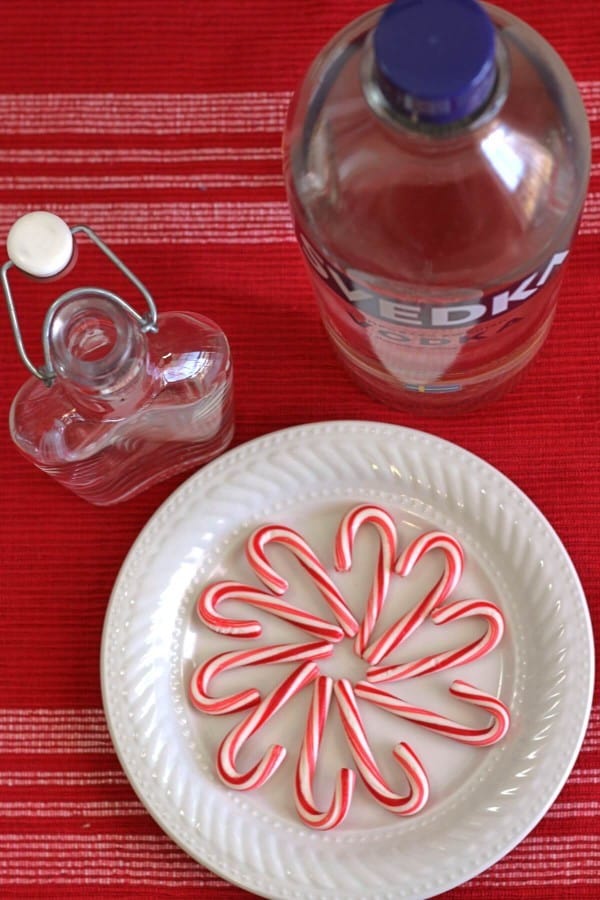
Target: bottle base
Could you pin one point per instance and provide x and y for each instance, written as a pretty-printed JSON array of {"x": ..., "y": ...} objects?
[
  {"x": 90, "y": 481},
  {"x": 444, "y": 397},
  {"x": 178, "y": 467}
]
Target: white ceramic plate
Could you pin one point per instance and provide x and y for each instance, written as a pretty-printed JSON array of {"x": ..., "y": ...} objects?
[{"x": 483, "y": 801}]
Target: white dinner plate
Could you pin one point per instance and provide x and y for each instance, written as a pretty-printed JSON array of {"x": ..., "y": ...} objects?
[{"x": 483, "y": 800}]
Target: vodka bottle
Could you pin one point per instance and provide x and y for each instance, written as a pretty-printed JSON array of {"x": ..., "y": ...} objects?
[{"x": 437, "y": 159}]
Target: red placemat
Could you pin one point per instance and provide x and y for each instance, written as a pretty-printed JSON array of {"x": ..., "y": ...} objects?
[{"x": 160, "y": 126}]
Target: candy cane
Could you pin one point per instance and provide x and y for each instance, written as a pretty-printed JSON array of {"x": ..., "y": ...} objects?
[
  {"x": 453, "y": 612},
  {"x": 418, "y": 785},
  {"x": 235, "y": 659},
  {"x": 476, "y": 737},
  {"x": 280, "y": 534},
  {"x": 307, "y": 764},
  {"x": 453, "y": 569},
  {"x": 230, "y": 747},
  {"x": 388, "y": 540},
  {"x": 215, "y": 594}
]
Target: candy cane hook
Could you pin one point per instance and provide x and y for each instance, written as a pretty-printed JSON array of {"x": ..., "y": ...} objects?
[
  {"x": 307, "y": 764},
  {"x": 453, "y": 569},
  {"x": 476, "y": 737},
  {"x": 388, "y": 542},
  {"x": 418, "y": 785},
  {"x": 295, "y": 543},
  {"x": 214, "y": 594},
  {"x": 438, "y": 662},
  {"x": 235, "y": 659},
  {"x": 230, "y": 747}
]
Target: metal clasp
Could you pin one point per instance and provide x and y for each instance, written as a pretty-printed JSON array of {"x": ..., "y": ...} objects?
[{"x": 147, "y": 322}]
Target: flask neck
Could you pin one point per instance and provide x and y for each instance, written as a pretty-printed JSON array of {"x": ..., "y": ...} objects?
[{"x": 100, "y": 356}]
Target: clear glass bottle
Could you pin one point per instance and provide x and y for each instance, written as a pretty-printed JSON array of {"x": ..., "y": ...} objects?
[
  {"x": 437, "y": 159},
  {"x": 123, "y": 401}
]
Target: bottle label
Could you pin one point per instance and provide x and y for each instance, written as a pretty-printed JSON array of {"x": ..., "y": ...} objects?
[{"x": 446, "y": 319}]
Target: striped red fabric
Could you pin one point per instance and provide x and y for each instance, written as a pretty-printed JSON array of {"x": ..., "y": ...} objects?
[{"x": 159, "y": 124}]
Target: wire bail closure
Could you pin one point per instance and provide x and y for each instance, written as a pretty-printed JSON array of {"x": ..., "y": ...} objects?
[{"x": 147, "y": 322}]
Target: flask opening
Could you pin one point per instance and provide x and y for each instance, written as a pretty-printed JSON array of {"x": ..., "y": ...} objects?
[
  {"x": 92, "y": 340},
  {"x": 92, "y": 337}
]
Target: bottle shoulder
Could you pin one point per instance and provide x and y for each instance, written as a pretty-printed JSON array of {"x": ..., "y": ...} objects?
[
  {"x": 188, "y": 349},
  {"x": 46, "y": 425},
  {"x": 485, "y": 203}
]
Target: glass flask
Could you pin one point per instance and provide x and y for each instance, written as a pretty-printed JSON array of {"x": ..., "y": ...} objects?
[{"x": 122, "y": 400}]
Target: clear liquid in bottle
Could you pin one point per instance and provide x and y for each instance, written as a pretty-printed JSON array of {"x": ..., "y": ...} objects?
[{"x": 436, "y": 160}]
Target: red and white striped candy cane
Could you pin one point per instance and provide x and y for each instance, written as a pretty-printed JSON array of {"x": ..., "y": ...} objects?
[
  {"x": 418, "y": 785},
  {"x": 295, "y": 543},
  {"x": 215, "y": 594},
  {"x": 476, "y": 737},
  {"x": 235, "y": 659},
  {"x": 438, "y": 662},
  {"x": 307, "y": 764},
  {"x": 388, "y": 541},
  {"x": 453, "y": 569},
  {"x": 230, "y": 747}
]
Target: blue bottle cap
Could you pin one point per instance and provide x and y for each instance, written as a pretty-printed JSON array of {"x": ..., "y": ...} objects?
[{"x": 435, "y": 59}]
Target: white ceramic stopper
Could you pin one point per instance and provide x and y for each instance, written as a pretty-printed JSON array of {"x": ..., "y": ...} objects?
[{"x": 40, "y": 244}]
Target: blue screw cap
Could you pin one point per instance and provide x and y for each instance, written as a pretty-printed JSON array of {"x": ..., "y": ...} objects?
[{"x": 435, "y": 59}]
